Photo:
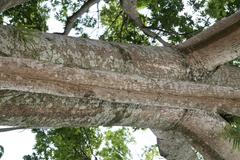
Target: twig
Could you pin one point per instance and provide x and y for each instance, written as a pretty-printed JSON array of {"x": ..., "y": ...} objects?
[
  {"x": 72, "y": 19},
  {"x": 7, "y": 129},
  {"x": 130, "y": 8}
]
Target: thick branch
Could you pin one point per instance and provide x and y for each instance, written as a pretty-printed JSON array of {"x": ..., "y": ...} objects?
[
  {"x": 44, "y": 110},
  {"x": 204, "y": 132},
  {"x": 158, "y": 62},
  {"x": 216, "y": 45},
  {"x": 201, "y": 130},
  {"x": 130, "y": 8},
  {"x": 7, "y": 4},
  {"x": 174, "y": 146},
  {"x": 163, "y": 69},
  {"x": 211, "y": 34},
  {"x": 72, "y": 19},
  {"x": 33, "y": 76}
]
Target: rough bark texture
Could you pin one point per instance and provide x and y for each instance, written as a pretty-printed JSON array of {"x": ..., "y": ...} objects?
[
  {"x": 203, "y": 130},
  {"x": 90, "y": 54},
  {"x": 217, "y": 53},
  {"x": 174, "y": 146},
  {"x": 215, "y": 46},
  {"x": 33, "y": 76},
  {"x": 49, "y": 80}
]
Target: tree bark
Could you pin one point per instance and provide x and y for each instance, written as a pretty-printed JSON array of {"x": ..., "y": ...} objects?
[
  {"x": 204, "y": 132},
  {"x": 36, "y": 77},
  {"x": 214, "y": 46},
  {"x": 49, "y": 80},
  {"x": 174, "y": 146}
]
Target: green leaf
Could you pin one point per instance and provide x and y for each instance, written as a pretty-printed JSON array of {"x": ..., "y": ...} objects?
[{"x": 1, "y": 151}]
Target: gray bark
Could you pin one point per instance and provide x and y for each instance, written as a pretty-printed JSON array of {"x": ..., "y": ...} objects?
[
  {"x": 49, "y": 80},
  {"x": 174, "y": 146}
]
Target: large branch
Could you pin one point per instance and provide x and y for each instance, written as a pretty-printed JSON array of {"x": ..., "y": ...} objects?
[
  {"x": 212, "y": 33},
  {"x": 174, "y": 146},
  {"x": 33, "y": 76},
  {"x": 158, "y": 62},
  {"x": 44, "y": 110},
  {"x": 216, "y": 45},
  {"x": 201, "y": 130},
  {"x": 72, "y": 19},
  {"x": 7, "y": 4},
  {"x": 130, "y": 8},
  {"x": 204, "y": 132},
  {"x": 162, "y": 87}
]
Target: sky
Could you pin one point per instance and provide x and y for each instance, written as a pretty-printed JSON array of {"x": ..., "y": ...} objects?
[{"x": 20, "y": 142}]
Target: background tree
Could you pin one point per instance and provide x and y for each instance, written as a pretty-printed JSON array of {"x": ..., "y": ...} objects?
[{"x": 81, "y": 143}]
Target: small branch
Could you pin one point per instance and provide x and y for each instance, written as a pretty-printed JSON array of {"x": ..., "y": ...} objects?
[
  {"x": 129, "y": 7},
  {"x": 172, "y": 32},
  {"x": 115, "y": 19},
  {"x": 7, "y": 129},
  {"x": 7, "y": 4},
  {"x": 72, "y": 19}
]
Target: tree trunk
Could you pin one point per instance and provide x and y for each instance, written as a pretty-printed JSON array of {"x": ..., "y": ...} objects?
[{"x": 49, "y": 80}]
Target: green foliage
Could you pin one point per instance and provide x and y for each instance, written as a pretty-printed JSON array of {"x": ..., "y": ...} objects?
[
  {"x": 166, "y": 19},
  {"x": 119, "y": 27},
  {"x": 232, "y": 132},
  {"x": 115, "y": 146},
  {"x": 24, "y": 34},
  {"x": 236, "y": 62},
  {"x": 151, "y": 152},
  {"x": 32, "y": 15},
  {"x": 222, "y": 8},
  {"x": 80, "y": 143},
  {"x": 66, "y": 143},
  {"x": 65, "y": 9},
  {"x": 1, "y": 151}
]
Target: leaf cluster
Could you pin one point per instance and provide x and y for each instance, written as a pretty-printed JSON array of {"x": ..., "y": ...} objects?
[
  {"x": 32, "y": 15},
  {"x": 80, "y": 143}
]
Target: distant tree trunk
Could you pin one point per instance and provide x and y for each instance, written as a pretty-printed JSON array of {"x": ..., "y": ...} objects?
[{"x": 49, "y": 80}]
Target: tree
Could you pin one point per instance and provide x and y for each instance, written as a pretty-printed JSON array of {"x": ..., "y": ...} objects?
[
  {"x": 80, "y": 143},
  {"x": 185, "y": 92}
]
